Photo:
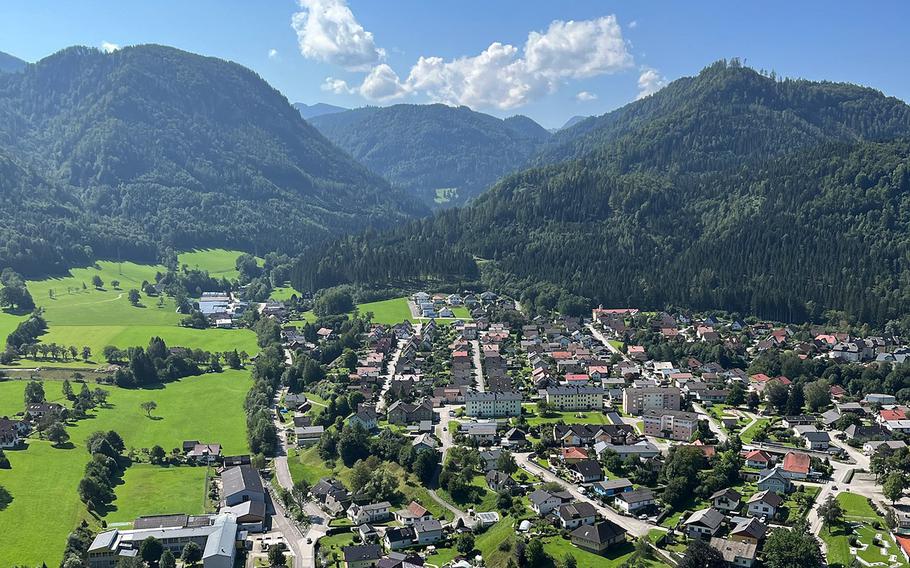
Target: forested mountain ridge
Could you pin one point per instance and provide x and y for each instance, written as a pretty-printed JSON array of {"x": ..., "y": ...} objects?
[
  {"x": 188, "y": 151},
  {"x": 710, "y": 201},
  {"x": 317, "y": 109},
  {"x": 425, "y": 148},
  {"x": 11, "y": 63}
]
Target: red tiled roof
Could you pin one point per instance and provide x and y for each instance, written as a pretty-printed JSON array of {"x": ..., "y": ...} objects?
[
  {"x": 574, "y": 453},
  {"x": 892, "y": 414},
  {"x": 757, "y": 456},
  {"x": 796, "y": 462},
  {"x": 760, "y": 378}
]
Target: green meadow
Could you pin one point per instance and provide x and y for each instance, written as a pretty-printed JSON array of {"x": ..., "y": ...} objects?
[
  {"x": 395, "y": 310},
  {"x": 219, "y": 263},
  {"x": 43, "y": 480}
]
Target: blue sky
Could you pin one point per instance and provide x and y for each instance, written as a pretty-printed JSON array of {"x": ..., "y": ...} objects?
[{"x": 581, "y": 57}]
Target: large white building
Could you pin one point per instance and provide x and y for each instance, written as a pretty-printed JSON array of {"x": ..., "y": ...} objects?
[
  {"x": 576, "y": 397},
  {"x": 215, "y": 535},
  {"x": 492, "y": 404},
  {"x": 636, "y": 401},
  {"x": 673, "y": 424}
]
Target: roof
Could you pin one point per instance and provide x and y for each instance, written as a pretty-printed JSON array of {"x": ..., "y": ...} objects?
[
  {"x": 636, "y": 496},
  {"x": 588, "y": 468},
  {"x": 757, "y": 456},
  {"x": 769, "y": 497},
  {"x": 241, "y": 478},
  {"x": 709, "y": 517},
  {"x": 574, "y": 453},
  {"x": 617, "y": 483},
  {"x": 729, "y": 493},
  {"x": 577, "y": 510},
  {"x": 892, "y": 414},
  {"x": 362, "y": 552},
  {"x": 602, "y": 532},
  {"x": 732, "y": 549},
  {"x": 796, "y": 462},
  {"x": 752, "y": 527},
  {"x": 427, "y": 526}
]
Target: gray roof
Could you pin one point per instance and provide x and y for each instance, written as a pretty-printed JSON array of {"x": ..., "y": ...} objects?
[
  {"x": 601, "y": 532},
  {"x": 492, "y": 396},
  {"x": 241, "y": 478},
  {"x": 581, "y": 389},
  {"x": 362, "y": 552},
  {"x": 709, "y": 517}
]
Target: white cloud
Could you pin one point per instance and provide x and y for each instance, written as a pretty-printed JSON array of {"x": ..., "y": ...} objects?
[
  {"x": 578, "y": 49},
  {"x": 382, "y": 84},
  {"x": 633, "y": 24},
  {"x": 585, "y": 96},
  {"x": 109, "y": 47},
  {"x": 337, "y": 86},
  {"x": 649, "y": 82},
  {"x": 273, "y": 53},
  {"x": 328, "y": 31}
]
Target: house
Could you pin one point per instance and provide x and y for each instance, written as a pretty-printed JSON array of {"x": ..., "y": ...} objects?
[
  {"x": 489, "y": 459},
  {"x": 397, "y": 538},
  {"x": 424, "y": 442},
  {"x": 673, "y": 424},
  {"x": 427, "y": 532},
  {"x": 250, "y": 515},
  {"x": 481, "y": 432},
  {"x": 796, "y": 465},
  {"x": 612, "y": 487},
  {"x": 9, "y": 433},
  {"x": 704, "y": 523},
  {"x": 726, "y": 499},
  {"x": 773, "y": 480},
  {"x": 758, "y": 459},
  {"x": 878, "y": 398},
  {"x": 576, "y": 397},
  {"x": 492, "y": 404},
  {"x": 798, "y": 420},
  {"x": 361, "y": 555},
  {"x": 365, "y": 417},
  {"x": 764, "y": 504},
  {"x": 643, "y": 449},
  {"x": 749, "y": 530},
  {"x": 401, "y": 412},
  {"x": 369, "y": 513},
  {"x": 862, "y": 433},
  {"x": 572, "y": 455},
  {"x": 572, "y": 515},
  {"x": 204, "y": 453},
  {"x": 586, "y": 471},
  {"x": 869, "y": 448},
  {"x": 36, "y": 411},
  {"x": 413, "y": 513},
  {"x": 332, "y": 494},
  {"x": 240, "y": 484},
  {"x": 308, "y": 435},
  {"x": 735, "y": 553},
  {"x": 514, "y": 438},
  {"x": 598, "y": 537},
  {"x": 636, "y": 401},
  {"x": 632, "y": 501},
  {"x": 499, "y": 482},
  {"x": 543, "y": 502},
  {"x": 813, "y": 438},
  {"x": 368, "y": 533}
]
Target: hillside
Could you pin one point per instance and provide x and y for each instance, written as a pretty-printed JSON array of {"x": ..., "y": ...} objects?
[
  {"x": 314, "y": 110},
  {"x": 443, "y": 155},
  {"x": 10, "y": 63},
  {"x": 727, "y": 190},
  {"x": 186, "y": 151}
]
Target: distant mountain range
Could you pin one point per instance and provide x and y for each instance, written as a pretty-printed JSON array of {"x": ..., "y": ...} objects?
[
  {"x": 318, "y": 109},
  {"x": 121, "y": 155},
  {"x": 442, "y": 155},
  {"x": 573, "y": 121},
  {"x": 10, "y": 63},
  {"x": 729, "y": 190}
]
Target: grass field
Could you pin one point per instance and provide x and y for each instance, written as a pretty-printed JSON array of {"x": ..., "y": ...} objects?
[
  {"x": 151, "y": 489},
  {"x": 43, "y": 479},
  {"x": 860, "y": 516},
  {"x": 103, "y": 316},
  {"x": 748, "y": 434},
  {"x": 395, "y": 310},
  {"x": 219, "y": 263},
  {"x": 568, "y": 416}
]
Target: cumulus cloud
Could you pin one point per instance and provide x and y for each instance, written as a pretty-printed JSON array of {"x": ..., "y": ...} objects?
[
  {"x": 585, "y": 96},
  {"x": 327, "y": 31},
  {"x": 273, "y": 53},
  {"x": 337, "y": 86},
  {"x": 504, "y": 76},
  {"x": 109, "y": 47},
  {"x": 633, "y": 24},
  {"x": 649, "y": 82}
]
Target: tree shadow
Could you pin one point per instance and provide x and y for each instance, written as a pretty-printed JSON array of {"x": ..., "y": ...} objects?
[
  {"x": 64, "y": 446},
  {"x": 5, "y": 498},
  {"x": 155, "y": 418}
]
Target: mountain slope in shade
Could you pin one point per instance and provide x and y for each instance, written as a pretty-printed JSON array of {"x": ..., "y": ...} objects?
[
  {"x": 191, "y": 151},
  {"x": 10, "y": 63},
  {"x": 438, "y": 153},
  {"x": 318, "y": 109},
  {"x": 727, "y": 190},
  {"x": 573, "y": 121}
]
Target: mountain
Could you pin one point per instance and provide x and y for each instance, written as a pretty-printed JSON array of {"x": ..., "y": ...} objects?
[
  {"x": 729, "y": 190},
  {"x": 573, "y": 121},
  {"x": 443, "y": 155},
  {"x": 318, "y": 109},
  {"x": 10, "y": 63},
  {"x": 178, "y": 150}
]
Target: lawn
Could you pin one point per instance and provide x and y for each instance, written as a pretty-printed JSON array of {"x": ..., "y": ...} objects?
[
  {"x": 569, "y": 417},
  {"x": 860, "y": 516},
  {"x": 748, "y": 434},
  {"x": 557, "y": 547},
  {"x": 306, "y": 464},
  {"x": 219, "y": 263},
  {"x": 396, "y": 310},
  {"x": 331, "y": 547},
  {"x": 616, "y": 344},
  {"x": 43, "y": 479},
  {"x": 8, "y": 323},
  {"x": 151, "y": 490},
  {"x": 96, "y": 317}
]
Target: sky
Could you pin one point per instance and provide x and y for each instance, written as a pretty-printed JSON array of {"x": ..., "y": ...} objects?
[{"x": 550, "y": 60}]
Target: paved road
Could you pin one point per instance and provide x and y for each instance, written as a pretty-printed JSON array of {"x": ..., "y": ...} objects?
[
  {"x": 388, "y": 376},
  {"x": 446, "y": 440},
  {"x": 631, "y": 524},
  {"x": 715, "y": 426},
  {"x": 478, "y": 368}
]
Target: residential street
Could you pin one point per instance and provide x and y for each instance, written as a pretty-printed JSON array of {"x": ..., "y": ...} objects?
[
  {"x": 387, "y": 377},
  {"x": 478, "y": 368}
]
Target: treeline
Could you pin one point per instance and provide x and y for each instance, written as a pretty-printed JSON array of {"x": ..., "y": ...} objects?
[{"x": 159, "y": 364}]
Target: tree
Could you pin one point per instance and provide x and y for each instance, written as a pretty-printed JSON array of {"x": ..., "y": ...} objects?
[
  {"x": 777, "y": 396},
  {"x": 568, "y": 561},
  {"x": 57, "y": 434},
  {"x": 67, "y": 390},
  {"x": 115, "y": 284},
  {"x": 148, "y": 406},
  {"x": 506, "y": 463},
  {"x": 753, "y": 400},
  {"x": 299, "y": 491},
  {"x": 535, "y": 555},
  {"x": 737, "y": 395},
  {"x": 191, "y": 554},
  {"x": 465, "y": 543},
  {"x": 831, "y": 512},
  {"x": 34, "y": 392},
  {"x": 700, "y": 554},
  {"x": 97, "y": 282},
  {"x": 276, "y": 557},
  {"x": 157, "y": 454},
  {"x": 167, "y": 560},
  {"x": 151, "y": 550},
  {"x": 86, "y": 353},
  {"x": 817, "y": 395},
  {"x": 893, "y": 488},
  {"x": 796, "y": 548},
  {"x": 133, "y": 296}
]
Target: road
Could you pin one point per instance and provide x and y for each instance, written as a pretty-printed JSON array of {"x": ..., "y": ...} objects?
[
  {"x": 391, "y": 366},
  {"x": 715, "y": 426},
  {"x": 447, "y": 441},
  {"x": 602, "y": 338},
  {"x": 478, "y": 368},
  {"x": 631, "y": 524}
]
